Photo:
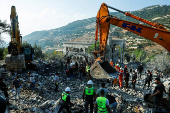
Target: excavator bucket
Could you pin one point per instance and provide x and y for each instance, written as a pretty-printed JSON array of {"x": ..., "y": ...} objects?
[
  {"x": 15, "y": 62},
  {"x": 103, "y": 70}
]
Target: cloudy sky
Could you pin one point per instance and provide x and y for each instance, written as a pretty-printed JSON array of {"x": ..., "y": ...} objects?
[{"x": 37, "y": 15}]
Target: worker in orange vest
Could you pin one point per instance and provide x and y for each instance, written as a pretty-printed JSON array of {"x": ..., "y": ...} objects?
[{"x": 120, "y": 77}]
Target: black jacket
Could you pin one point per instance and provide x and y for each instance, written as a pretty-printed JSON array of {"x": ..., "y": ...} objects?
[
  {"x": 134, "y": 76},
  {"x": 149, "y": 77}
]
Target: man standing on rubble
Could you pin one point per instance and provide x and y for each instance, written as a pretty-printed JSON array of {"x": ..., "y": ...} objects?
[
  {"x": 134, "y": 77},
  {"x": 65, "y": 100},
  {"x": 148, "y": 79},
  {"x": 140, "y": 69},
  {"x": 125, "y": 69},
  {"x": 88, "y": 70},
  {"x": 102, "y": 103},
  {"x": 158, "y": 93},
  {"x": 89, "y": 93},
  {"x": 120, "y": 77},
  {"x": 4, "y": 88},
  {"x": 102, "y": 88},
  {"x": 32, "y": 81},
  {"x": 126, "y": 78},
  {"x": 56, "y": 80},
  {"x": 17, "y": 85}
]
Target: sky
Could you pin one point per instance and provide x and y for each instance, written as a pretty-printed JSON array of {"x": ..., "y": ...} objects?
[{"x": 38, "y": 15}]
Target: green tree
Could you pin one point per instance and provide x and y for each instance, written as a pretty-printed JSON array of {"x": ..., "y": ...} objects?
[
  {"x": 92, "y": 47},
  {"x": 25, "y": 43},
  {"x": 3, "y": 53},
  {"x": 37, "y": 52}
]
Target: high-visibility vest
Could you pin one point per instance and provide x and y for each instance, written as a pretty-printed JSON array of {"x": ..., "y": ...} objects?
[
  {"x": 101, "y": 105},
  {"x": 89, "y": 91},
  {"x": 64, "y": 96},
  {"x": 87, "y": 68}
]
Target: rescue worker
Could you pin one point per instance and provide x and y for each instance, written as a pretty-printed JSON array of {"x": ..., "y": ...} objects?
[
  {"x": 148, "y": 79},
  {"x": 17, "y": 85},
  {"x": 120, "y": 77},
  {"x": 126, "y": 78},
  {"x": 89, "y": 93},
  {"x": 111, "y": 63},
  {"x": 112, "y": 103},
  {"x": 102, "y": 104},
  {"x": 158, "y": 93},
  {"x": 88, "y": 70},
  {"x": 65, "y": 101},
  {"x": 99, "y": 90},
  {"x": 140, "y": 68},
  {"x": 118, "y": 67},
  {"x": 125, "y": 69},
  {"x": 56, "y": 80},
  {"x": 134, "y": 77},
  {"x": 32, "y": 81}
]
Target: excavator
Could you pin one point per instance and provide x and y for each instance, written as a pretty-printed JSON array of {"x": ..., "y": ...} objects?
[
  {"x": 18, "y": 56},
  {"x": 155, "y": 32}
]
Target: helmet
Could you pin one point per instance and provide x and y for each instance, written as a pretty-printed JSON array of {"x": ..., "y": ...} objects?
[
  {"x": 90, "y": 82},
  {"x": 117, "y": 64},
  {"x": 67, "y": 89},
  {"x": 125, "y": 65},
  {"x": 121, "y": 68}
]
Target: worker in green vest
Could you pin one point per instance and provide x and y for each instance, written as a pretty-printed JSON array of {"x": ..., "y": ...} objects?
[
  {"x": 88, "y": 70},
  {"x": 89, "y": 94},
  {"x": 65, "y": 100},
  {"x": 102, "y": 104}
]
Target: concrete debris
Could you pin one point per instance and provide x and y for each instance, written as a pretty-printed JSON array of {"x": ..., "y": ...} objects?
[{"x": 44, "y": 99}]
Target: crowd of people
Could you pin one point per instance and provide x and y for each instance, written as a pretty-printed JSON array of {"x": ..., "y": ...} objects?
[{"x": 99, "y": 100}]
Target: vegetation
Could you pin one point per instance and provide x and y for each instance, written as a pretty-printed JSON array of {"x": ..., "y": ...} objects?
[
  {"x": 3, "y": 53},
  {"x": 92, "y": 47}
]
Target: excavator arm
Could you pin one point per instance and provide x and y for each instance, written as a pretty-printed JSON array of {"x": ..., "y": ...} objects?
[{"x": 157, "y": 33}]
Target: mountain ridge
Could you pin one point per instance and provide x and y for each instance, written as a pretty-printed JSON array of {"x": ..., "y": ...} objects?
[{"x": 55, "y": 37}]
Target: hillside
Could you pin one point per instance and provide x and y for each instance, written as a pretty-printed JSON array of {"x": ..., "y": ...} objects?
[{"x": 80, "y": 28}]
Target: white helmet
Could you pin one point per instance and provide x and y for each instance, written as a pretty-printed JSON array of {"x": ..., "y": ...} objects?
[
  {"x": 90, "y": 82},
  {"x": 67, "y": 89},
  {"x": 121, "y": 68},
  {"x": 117, "y": 64}
]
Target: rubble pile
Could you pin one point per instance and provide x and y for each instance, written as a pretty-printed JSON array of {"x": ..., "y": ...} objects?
[{"x": 45, "y": 100}]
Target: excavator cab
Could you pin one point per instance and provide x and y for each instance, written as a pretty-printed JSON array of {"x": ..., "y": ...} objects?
[{"x": 28, "y": 51}]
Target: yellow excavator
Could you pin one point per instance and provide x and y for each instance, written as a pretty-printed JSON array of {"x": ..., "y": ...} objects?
[{"x": 18, "y": 55}]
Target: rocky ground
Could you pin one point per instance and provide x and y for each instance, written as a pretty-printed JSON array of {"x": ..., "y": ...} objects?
[{"x": 45, "y": 100}]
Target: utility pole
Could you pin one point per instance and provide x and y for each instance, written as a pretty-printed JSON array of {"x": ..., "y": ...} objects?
[{"x": 163, "y": 59}]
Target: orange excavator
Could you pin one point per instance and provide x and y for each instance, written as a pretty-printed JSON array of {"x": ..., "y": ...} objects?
[{"x": 155, "y": 32}]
